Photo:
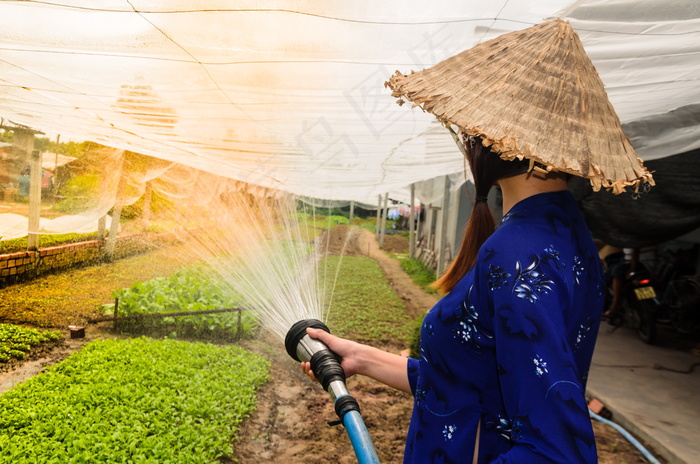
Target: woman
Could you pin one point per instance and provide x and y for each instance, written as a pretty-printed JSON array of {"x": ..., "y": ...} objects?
[{"x": 505, "y": 354}]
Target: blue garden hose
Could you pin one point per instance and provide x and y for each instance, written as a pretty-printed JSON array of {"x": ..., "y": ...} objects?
[
  {"x": 327, "y": 369},
  {"x": 359, "y": 438},
  {"x": 649, "y": 457}
]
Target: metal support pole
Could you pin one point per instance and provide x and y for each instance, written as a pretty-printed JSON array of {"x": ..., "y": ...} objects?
[
  {"x": 352, "y": 210},
  {"x": 419, "y": 231},
  {"x": 385, "y": 212},
  {"x": 34, "y": 200},
  {"x": 379, "y": 213},
  {"x": 443, "y": 227},
  {"x": 412, "y": 224}
]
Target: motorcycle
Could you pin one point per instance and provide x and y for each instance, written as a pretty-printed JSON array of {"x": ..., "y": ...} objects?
[
  {"x": 667, "y": 299},
  {"x": 638, "y": 305}
]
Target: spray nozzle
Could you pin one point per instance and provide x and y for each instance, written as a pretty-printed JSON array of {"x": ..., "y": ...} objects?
[
  {"x": 324, "y": 362},
  {"x": 295, "y": 335}
]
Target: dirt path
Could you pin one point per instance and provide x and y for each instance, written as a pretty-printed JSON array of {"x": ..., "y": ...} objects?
[
  {"x": 358, "y": 242},
  {"x": 416, "y": 299}
]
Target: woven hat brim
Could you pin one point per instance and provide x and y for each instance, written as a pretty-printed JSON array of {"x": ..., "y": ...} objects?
[{"x": 531, "y": 94}]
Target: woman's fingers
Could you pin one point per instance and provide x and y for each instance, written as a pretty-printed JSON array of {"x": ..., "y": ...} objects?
[
  {"x": 306, "y": 369},
  {"x": 339, "y": 346},
  {"x": 322, "y": 335}
]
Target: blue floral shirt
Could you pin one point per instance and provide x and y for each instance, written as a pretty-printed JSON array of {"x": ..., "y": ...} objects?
[{"x": 507, "y": 351}]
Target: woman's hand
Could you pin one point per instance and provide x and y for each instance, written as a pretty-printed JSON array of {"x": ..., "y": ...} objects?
[
  {"x": 347, "y": 350},
  {"x": 356, "y": 358}
]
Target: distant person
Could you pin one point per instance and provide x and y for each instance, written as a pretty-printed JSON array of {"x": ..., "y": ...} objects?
[
  {"x": 46, "y": 182},
  {"x": 24, "y": 181},
  {"x": 619, "y": 264}
]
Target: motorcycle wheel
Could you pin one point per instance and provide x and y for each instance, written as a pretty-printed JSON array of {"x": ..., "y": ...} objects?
[
  {"x": 684, "y": 306},
  {"x": 685, "y": 320},
  {"x": 641, "y": 317},
  {"x": 647, "y": 322}
]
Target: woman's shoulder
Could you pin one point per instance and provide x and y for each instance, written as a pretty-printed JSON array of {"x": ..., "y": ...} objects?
[
  {"x": 526, "y": 246},
  {"x": 520, "y": 237}
]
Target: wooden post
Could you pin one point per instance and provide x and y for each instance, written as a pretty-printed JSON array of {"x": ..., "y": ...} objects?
[
  {"x": 352, "y": 210},
  {"x": 239, "y": 328},
  {"x": 22, "y": 145},
  {"x": 116, "y": 313},
  {"x": 101, "y": 226},
  {"x": 34, "y": 200},
  {"x": 116, "y": 214},
  {"x": 385, "y": 213},
  {"x": 411, "y": 224},
  {"x": 379, "y": 213},
  {"x": 114, "y": 228},
  {"x": 443, "y": 228}
]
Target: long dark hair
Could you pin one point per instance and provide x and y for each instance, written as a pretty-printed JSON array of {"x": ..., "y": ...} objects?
[{"x": 487, "y": 167}]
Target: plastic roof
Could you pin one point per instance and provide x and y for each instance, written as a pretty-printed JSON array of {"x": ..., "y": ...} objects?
[{"x": 290, "y": 94}]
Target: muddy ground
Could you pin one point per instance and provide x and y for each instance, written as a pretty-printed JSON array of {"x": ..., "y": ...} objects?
[{"x": 291, "y": 422}]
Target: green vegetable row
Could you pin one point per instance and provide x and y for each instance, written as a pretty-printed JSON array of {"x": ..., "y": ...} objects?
[
  {"x": 192, "y": 289},
  {"x": 135, "y": 401},
  {"x": 364, "y": 307},
  {"x": 16, "y": 342}
]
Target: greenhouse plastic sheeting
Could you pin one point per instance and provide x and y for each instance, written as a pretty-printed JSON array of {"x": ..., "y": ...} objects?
[
  {"x": 290, "y": 94},
  {"x": 16, "y": 226}
]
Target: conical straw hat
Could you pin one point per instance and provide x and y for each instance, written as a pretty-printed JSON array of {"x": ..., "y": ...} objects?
[{"x": 531, "y": 94}]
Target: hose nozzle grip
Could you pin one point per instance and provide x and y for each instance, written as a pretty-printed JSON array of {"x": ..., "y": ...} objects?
[
  {"x": 326, "y": 367},
  {"x": 345, "y": 404}
]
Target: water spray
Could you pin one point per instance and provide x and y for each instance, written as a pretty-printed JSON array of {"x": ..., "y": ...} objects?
[{"x": 326, "y": 367}]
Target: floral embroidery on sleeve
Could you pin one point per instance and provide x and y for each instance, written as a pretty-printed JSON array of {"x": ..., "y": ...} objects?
[
  {"x": 578, "y": 269},
  {"x": 497, "y": 277},
  {"x": 531, "y": 282},
  {"x": 552, "y": 255},
  {"x": 581, "y": 335},
  {"x": 510, "y": 430},
  {"x": 540, "y": 365},
  {"x": 448, "y": 432},
  {"x": 467, "y": 330}
]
